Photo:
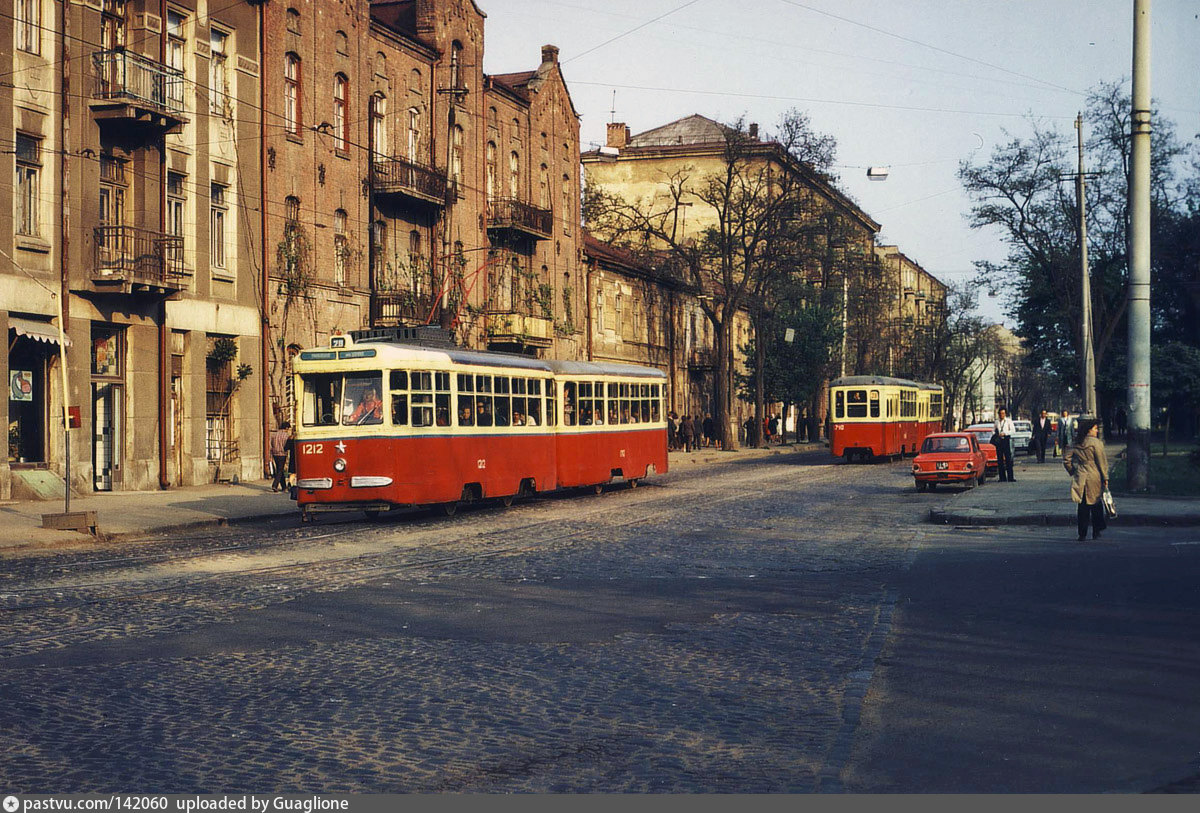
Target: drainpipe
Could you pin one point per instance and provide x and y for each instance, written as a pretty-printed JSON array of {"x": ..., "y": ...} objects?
[
  {"x": 164, "y": 481},
  {"x": 265, "y": 274},
  {"x": 587, "y": 276},
  {"x": 64, "y": 290}
]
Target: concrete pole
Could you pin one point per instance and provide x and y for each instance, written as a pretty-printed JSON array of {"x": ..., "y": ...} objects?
[
  {"x": 1139, "y": 256},
  {"x": 1089, "y": 353}
]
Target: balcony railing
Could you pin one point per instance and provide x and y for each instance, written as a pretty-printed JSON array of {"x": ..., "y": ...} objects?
[
  {"x": 520, "y": 328},
  {"x": 516, "y": 215},
  {"x": 396, "y": 175},
  {"x": 399, "y": 308},
  {"x": 701, "y": 359},
  {"x": 129, "y": 85},
  {"x": 137, "y": 259}
]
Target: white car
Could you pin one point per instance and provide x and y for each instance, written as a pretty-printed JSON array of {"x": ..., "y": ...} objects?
[{"x": 1022, "y": 436}]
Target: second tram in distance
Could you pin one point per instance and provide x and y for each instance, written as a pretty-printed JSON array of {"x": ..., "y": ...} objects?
[
  {"x": 877, "y": 416},
  {"x": 382, "y": 423}
]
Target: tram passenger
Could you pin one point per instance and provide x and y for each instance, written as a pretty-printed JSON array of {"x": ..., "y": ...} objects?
[
  {"x": 518, "y": 418},
  {"x": 585, "y": 414},
  {"x": 443, "y": 416},
  {"x": 612, "y": 411},
  {"x": 369, "y": 409}
]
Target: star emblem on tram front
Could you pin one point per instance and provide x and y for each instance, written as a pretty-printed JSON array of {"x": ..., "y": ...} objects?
[{"x": 341, "y": 446}]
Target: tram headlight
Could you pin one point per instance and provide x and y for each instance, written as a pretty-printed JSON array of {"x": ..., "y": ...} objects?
[{"x": 339, "y": 464}]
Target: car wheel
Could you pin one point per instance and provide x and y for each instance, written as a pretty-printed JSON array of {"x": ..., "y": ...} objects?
[
  {"x": 933, "y": 486},
  {"x": 982, "y": 477},
  {"x": 922, "y": 487}
]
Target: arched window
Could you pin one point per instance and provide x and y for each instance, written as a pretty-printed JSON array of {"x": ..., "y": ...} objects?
[
  {"x": 341, "y": 247},
  {"x": 414, "y": 81},
  {"x": 379, "y": 125},
  {"x": 456, "y": 64},
  {"x": 291, "y": 94},
  {"x": 293, "y": 21},
  {"x": 379, "y": 254},
  {"x": 341, "y": 93},
  {"x": 456, "y": 153},
  {"x": 566, "y": 204},
  {"x": 291, "y": 209},
  {"x": 414, "y": 134},
  {"x": 568, "y": 309},
  {"x": 514, "y": 175},
  {"x": 416, "y": 261},
  {"x": 544, "y": 186},
  {"x": 341, "y": 43},
  {"x": 490, "y": 175}
]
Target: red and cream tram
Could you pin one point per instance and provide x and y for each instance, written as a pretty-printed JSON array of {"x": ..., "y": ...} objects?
[
  {"x": 381, "y": 423},
  {"x": 876, "y": 416}
]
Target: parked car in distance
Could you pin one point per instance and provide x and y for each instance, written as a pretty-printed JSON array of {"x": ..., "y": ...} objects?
[
  {"x": 1022, "y": 438},
  {"x": 983, "y": 433},
  {"x": 949, "y": 457}
]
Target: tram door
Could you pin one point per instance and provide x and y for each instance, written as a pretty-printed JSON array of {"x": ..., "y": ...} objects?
[{"x": 106, "y": 435}]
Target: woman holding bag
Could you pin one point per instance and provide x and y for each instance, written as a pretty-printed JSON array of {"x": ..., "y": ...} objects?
[{"x": 1087, "y": 464}]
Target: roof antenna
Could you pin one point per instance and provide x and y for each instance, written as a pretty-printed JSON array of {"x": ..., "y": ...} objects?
[{"x": 614, "y": 106}]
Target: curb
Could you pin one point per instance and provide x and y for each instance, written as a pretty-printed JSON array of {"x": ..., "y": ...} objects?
[
  {"x": 215, "y": 522},
  {"x": 940, "y": 516}
]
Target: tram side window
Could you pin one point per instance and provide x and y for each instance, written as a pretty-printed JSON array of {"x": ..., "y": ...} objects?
[
  {"x": 322, "y": 394},
  {"x": 655, "y": 404},
  {"x": 551, "y": 403},
  {"x": 398, "y": 384},
  {"x": 645, "y": 388},
  {"x": 598, "y": 402},
  {"x": 935, "y": 407},
  {"x": 568, "y": 403},
  {"x": 585, "y": 403},
  {"x": 839, "y": 401},
  {"x": 874, "y": 403},
  {"x": 361, "y": 404},
  {"x": 421, "y": 398},
  {"x": 856, "y": 403},
  {"x": 441, "y": 401},
  {"x": 483, "y": 400},
  {"x": 503, "y": 406},
  {"x": 466, "y": 400}
]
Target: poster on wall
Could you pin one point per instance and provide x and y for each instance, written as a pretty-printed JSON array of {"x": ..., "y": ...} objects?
[{"x": 20, "y": 385}]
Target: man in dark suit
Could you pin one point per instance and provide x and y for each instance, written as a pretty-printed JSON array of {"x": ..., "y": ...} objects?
[{"x": 1042, "y": 428}]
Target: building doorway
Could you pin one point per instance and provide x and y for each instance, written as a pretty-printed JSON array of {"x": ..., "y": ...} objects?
[{"x": 108, "y": 407}]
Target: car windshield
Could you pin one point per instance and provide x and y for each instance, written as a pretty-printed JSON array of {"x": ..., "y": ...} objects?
[
  {"x": 946, "y": 445},
  {"x": 1023, "y": 426}
]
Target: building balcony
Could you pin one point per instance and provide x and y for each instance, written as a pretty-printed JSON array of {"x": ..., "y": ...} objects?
[
  {"x": 134, "y": 90},
  {"x": 398, "y": 308},
  {"x": 522, "y": 329},
  {"x": 509, "y": 215},
  {"x": 399, "y": 176},
  {"x": 701, "y": 360},
  {"x": 130, "y": 260}
]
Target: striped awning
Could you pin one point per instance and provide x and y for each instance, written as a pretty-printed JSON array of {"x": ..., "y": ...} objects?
[{"x": 38, "y": 331}]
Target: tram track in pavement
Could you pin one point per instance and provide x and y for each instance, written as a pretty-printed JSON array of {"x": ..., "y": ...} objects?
[{"x": 347, "y": 570}]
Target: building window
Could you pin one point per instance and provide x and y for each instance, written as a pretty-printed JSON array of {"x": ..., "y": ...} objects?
[
  {"x": 456, "y": 154},
  {"x": 544, "y": 186},
  {"x": 490, "y": 175},
  {"x": 456, "y": 65},
  {"x": 291, "y": 94},
  {"x": 514, "y": 175},
  {"x": 383, "y": 280},
  {"x": 293, "y": 21},
  {"x": 415, "y": 260},
  {"x": 379, "y": 124},
  {"x": 216, "y": 225},
  {"x": 218, "y": 77},
  {"x": 566, "y": 204},
  {"x": 177, "y": 214},
  {"x": 341, "y": 92},
  {"x": 414, "y": 134},
  {"x": 29, "y": 167},
  {"x": 341, "y": 43},
  {"x": 176, "y": 44},
  {"x": 28, "y": 19},
  {"x": 291, "y": 210},
  {"x": 341, "y": 247}
]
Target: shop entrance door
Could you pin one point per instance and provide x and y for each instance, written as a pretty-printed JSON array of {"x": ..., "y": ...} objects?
[{"x": 107, "y": 415}]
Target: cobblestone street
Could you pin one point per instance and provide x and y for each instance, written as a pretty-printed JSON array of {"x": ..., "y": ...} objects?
[{"x": 715, "y": 630}]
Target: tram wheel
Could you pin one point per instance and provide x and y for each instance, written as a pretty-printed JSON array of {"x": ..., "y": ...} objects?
[
  {"x": 506, "y": 501},
  {"x": 598, "y": 488},
  {"x": 633, "y": 483},
  {"x": 449, "y": 508}
]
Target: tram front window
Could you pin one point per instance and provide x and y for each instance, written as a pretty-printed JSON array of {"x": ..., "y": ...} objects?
[
  {"x": 361, "y": 401},
  {"x": 856, "y": 403},
  {"x": 322, "y": 395}
]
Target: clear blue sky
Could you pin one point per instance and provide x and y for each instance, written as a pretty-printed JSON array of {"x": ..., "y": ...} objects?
[{"x": 916, "y": 86}]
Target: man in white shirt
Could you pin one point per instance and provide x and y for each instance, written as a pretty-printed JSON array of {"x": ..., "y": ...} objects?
[{"x": 1004, "y": 429}]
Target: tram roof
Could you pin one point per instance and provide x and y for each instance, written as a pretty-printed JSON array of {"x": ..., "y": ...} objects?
[
  {"x": 881, "y": 381},
  {"x": 399, "y": 351}
]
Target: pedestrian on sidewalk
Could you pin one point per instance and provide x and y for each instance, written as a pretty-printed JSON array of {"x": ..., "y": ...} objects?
[
  {"x": 687, "y": 432},
  {"x": 1088, "y": 466},
  {"x": 773, "y": 428},
  {"x": 1066, "y": 432},
  {"x": 281, "y": 447},
  {"x": 1041, "y": 435},
  {"x": 1004, "y": 429},
  {"x": 710, "y": 431}
]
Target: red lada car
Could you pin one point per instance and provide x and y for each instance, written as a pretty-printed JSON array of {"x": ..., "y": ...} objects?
[
  {"x": 983, "y": 433},
  {"x": 949, "y": 457}
]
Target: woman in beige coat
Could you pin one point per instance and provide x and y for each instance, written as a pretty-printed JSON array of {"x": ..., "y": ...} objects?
[{"x": 1088, "y": 467}]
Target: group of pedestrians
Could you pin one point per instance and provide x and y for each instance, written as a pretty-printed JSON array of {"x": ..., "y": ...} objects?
[{"x": 687, "y": 433}]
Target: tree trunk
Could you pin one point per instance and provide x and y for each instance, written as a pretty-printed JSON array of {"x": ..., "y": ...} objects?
[
  {"x": 722, "y": 340},
  {"x": 760, "y": 360}
]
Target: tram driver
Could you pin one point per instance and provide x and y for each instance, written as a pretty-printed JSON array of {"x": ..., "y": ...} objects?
[{"x": 369, "y": 409}]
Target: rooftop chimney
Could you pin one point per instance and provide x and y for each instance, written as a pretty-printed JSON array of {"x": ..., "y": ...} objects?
[
  {"x": 618, "y": 134},
  {"x": 549, "y": 53},
  {"x": 754, "y": 129}
]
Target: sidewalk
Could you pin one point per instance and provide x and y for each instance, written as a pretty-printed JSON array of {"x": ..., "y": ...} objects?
[
  {"x": 133, "y": 514},
  {"x": 130, "y": 514},
  {"x": 1041, "y": 495}
]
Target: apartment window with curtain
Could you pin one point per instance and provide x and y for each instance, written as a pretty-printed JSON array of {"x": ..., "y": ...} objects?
[
  {"x": 490, "y": 175},
  {"x": 218, "y": 212},
  {"x": 414, "y": 135},
  {"x": 456, "y": 154},
  {"x": 341, "y": 92},
  {"x": 177, "y": 215},
  {"x": 176, "y": 45},
  {"x": 566, "y": 204},
  {"x": 379, "y": 125},
  {"x": 341, "y": 247},
  {"x": 218, "y": 77},
  {"x": 29, "y": 169},
  {"x": 28, "y": 19},
  {"x": 514, "y": 175},
  {"x": 383, "y": 280},
  {"x": 291, "y": 94}
]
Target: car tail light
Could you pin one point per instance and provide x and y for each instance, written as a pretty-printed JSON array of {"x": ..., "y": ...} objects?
[{"x": 916, "y": 466}]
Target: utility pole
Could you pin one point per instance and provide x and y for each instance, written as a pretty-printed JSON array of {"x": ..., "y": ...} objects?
[
  {"x": 1138, "y": 450},
  {"x": 1089, "y": 354}
]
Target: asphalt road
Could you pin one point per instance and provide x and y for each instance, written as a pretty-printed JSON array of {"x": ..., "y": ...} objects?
[{"x": 784, "y": 624}]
